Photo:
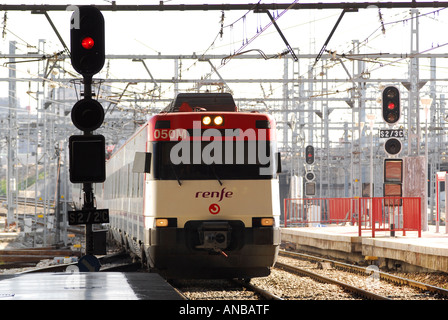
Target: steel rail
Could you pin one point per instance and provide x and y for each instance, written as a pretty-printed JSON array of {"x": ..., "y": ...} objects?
[
  {"x": 318, "y": 277},
  {"x": 264, "y": 293},
  {"x": 382, "y": 275},
  {"x": 28, "y": 201},
  {"x": 54, "y": 268},
  {"x": 107, "y": 259}
]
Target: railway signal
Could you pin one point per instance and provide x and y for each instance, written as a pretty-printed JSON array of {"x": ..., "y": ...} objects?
[
  {"x": 391, "y": 104},
  {"x": 393, "y": 170},
  {"x": 309, "y": 154},
  {"x": 87, "y": 151},
  {"x": 87, "y": 158},
  {"x": 392, "y": 146},
  {"x": 393, "y": 180},
  {"x": 310, "y": 176},
  {"x": 310, "y": 188},
  {"x": 87, "y": 56},
  {"x": 87, "y": 115},
  {"x": 87, "y": 42}
]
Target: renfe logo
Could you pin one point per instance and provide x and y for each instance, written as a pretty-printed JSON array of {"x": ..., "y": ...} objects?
[
  {"x": 214, "y": 208},
  {"x": 214, "y": 194}
]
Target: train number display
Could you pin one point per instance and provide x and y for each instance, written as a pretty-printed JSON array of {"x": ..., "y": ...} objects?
[{"x": 170, "y": 134}]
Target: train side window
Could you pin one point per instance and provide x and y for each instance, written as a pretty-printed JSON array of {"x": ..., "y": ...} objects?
[{"x": 142, "y": 162}]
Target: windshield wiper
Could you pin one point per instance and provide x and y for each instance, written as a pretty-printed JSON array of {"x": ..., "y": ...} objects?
[
  {"x": 216, "y": 175},
  {"x": 175, "y": 174}
]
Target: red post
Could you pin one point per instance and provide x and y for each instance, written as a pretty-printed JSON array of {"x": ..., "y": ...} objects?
[
  {"x": 420, "y": 218},
  {"x": 286, "y": 212},
  {"x": 405, "y": 217},
  {"x": 359, "y": 217}
]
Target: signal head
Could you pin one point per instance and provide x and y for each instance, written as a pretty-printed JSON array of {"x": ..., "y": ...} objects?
[
  {"x": 87, "y": 42},
  {"x": 310, "y": 176},
  {"x": 392, "y": 146},
  {"x": 391, "y": 104},
  {"x": 309, "y": 154},
  {"x": 87, "y": 159},
  {"x": 87, "y": 114}
]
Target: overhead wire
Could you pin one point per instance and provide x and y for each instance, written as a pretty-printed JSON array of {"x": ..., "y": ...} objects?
[
  {"x": 42, "y": 58},
  {"x": 383, "y": 24},
  {"x": 382, "y": 64}
]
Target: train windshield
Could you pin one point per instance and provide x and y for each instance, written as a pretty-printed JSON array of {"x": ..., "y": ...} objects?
[{"x": 213, "y": 160}]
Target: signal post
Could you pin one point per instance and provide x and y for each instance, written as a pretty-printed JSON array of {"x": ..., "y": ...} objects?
[
  {"x": 391, "y": 111},
  {"x": 397, "y": 178},
  {"x": 87, "y": 151},
  {"x": 393, "y": 167}
]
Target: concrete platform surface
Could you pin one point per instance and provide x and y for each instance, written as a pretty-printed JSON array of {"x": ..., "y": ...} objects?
[{"x": 86, "y": 286}]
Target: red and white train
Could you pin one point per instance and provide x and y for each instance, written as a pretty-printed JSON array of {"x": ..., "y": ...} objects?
[{"x": 194, "y": 192}]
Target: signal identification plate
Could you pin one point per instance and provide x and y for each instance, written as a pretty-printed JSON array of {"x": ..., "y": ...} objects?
[
  {"x": 90, "y": 216},
  {"x": 391, "y": 133}
]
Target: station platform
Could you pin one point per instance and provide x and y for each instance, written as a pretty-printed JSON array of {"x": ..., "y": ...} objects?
[
  {"x": 86, "y": 286},
  {"x": 406, "y": 253}
]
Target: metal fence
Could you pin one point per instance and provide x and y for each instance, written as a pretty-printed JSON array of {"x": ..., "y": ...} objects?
[{"x": 376, "y": 214}]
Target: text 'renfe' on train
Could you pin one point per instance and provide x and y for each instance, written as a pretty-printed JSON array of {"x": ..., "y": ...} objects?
[{"x": 194, "y": 192}]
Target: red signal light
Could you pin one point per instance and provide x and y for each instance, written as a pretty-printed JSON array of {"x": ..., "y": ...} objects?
[
  {"x": 87, "y": 43},
  {"x": 391, "y": 106}
]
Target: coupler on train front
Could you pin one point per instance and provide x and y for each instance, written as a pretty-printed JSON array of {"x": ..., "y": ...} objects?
[{"x": 213, "y": 249}]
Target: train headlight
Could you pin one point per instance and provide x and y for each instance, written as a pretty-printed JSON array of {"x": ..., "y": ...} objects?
[
  {"x": 267, "y": 222},
  {"x": 161, "y": 223},
  {"x": 206, "y": 120},
  {"x": 218, "y": 120},
  {"x": 263, "y": 222},
  {"x": 212, "y": 120}
]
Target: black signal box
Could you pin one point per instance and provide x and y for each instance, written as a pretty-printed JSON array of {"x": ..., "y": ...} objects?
[
  {"x": 391, "y": 104},
  {"x": 87, "y": 158},
  {"x": 309, "y": 154}
]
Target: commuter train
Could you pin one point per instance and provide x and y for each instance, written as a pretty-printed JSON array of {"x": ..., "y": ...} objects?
[{"x": 194, "y": 192}]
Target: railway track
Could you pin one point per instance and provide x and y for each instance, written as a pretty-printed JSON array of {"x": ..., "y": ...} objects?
[
  {"x": 368, "y": 272},
  {"x": 265, "y": 294},
  {"x": 28, "y": 201},
  {"x": 116, "y": 262},
  {"x": 29, "y": 257},
  {"x": 355, "y": 290},
  {"x": 223, "y": 289}
]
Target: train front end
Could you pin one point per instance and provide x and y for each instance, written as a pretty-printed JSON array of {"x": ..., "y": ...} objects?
[{"x": 212, "y": 202}]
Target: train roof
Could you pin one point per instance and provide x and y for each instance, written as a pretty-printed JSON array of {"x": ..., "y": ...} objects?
[{"x": 202, "y": 102}]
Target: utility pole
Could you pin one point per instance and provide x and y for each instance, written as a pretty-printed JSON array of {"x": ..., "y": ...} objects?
[{"x": 11, "y": 183}]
